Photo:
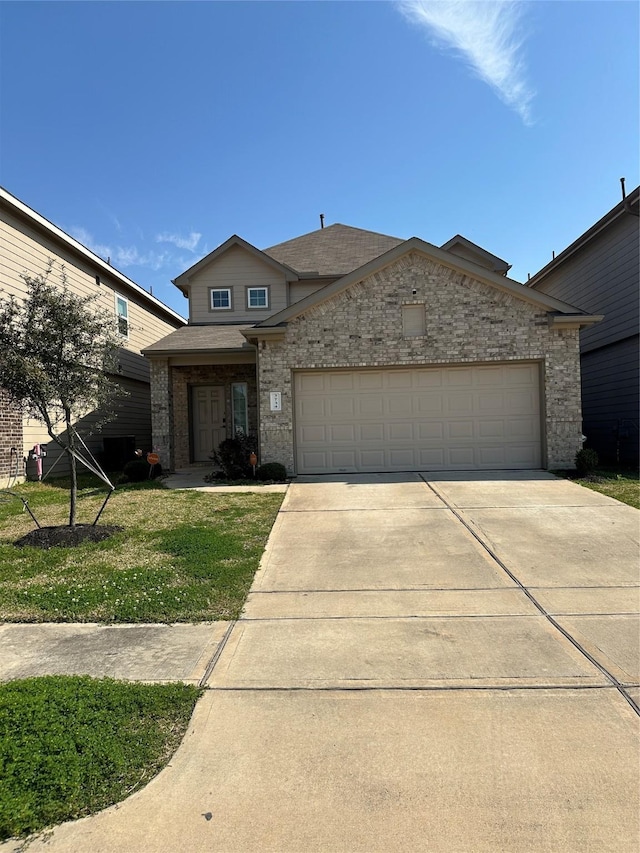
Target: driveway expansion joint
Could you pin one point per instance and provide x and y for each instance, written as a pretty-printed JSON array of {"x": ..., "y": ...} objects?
[{"x": 603, "y": 670}]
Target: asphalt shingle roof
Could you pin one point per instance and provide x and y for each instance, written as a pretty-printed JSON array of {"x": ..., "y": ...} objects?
[
  {"x": 334, "y": 250},
  {"x": 201, "y": 338}
]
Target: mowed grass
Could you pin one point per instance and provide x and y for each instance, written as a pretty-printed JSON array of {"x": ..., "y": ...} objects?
[
  {"x": 182, "y": 556},
  {"x": 624, "y": 487},
  {"x": 72, "y": 745}
]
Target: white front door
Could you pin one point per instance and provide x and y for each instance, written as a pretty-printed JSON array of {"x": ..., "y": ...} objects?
[{"x": 208, "y": 420}]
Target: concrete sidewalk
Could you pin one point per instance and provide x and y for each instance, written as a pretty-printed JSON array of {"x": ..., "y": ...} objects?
[{"x": 424, "y": 663}]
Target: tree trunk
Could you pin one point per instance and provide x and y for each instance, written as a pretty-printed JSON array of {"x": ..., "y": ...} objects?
[{"x": 73, "y": 498}]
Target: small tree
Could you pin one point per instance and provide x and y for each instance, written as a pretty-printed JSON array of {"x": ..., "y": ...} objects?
[{"x": 56, "y": 351}]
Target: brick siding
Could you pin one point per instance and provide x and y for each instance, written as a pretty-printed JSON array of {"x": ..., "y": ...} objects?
[
  {"x": 466, "y": 321},
  {"x": 10, "y": 437},
  {"x": 170, "y": 404}
]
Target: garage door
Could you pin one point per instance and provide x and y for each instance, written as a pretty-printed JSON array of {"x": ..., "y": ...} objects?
[{"x": 444, "y": 418}]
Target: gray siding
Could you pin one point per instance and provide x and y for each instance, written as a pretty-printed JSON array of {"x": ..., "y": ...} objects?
[
  {"x": 602, "y": 278},
  {"x": 611, "y": 400},
  {"x": 132, "y": 417}
]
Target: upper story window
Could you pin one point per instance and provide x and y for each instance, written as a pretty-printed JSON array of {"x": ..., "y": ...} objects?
[
  {"x": 257, "y": 297},
  {"x": 220, "y": 298},
  {"x": 122, "y": 315}
]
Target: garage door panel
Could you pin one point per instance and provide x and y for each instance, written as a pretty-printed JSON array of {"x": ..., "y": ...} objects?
[
  {"x": 519, "y": 402},
  {"x": 491, "y": 457},
  {"x": 487, "y": 377},
  {"x": 460, "y": 429},
  {"x": 522, "y": 456},
  {"x": 341, "y": 382},
  {"x": 401, "y": 459},
  {"x": 429, "y": 404},
  {"x": 490, "y": 401},
  {"x": 438, "y": 418},
  {"x": 343, "y": 460},
  {"x": 312, "y": 433},
  {"x": 458, "y": 404},
  {"x": 522, "y": 428},
  {"x": 340, "y": 407},
  {"x": 372, "y": 460},
  {"x": 401, "y": 432},
  {"x": 400, "y": 405},
  {"x": 399, "y": 379},
  {"x": 430, "y": 430},
  {"x": 342, "y": 432},
  {"x": 491, "y": 429},
  {"x": 431, "y": 459},
  {"x": 457, "y": 376},
  {"x": 461, "y": 457}
]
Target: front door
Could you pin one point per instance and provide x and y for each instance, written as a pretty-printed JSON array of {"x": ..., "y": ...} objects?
[{"x": 208, "y": 420}]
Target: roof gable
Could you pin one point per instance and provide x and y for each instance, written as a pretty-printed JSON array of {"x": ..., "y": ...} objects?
[
  {"x": 182, "y": 281},
  {"x": 445, "y": 258},
  {"x": 459, "y": 245}
]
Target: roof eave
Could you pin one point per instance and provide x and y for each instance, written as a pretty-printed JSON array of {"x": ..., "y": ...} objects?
[
  {"x": 570, "y": 321},
  {"x": 182, "y": 281},
  {"x": 590, "y": 234},
  {"x": 42, "y": 223},
  {"x": 163, "y": 353}
]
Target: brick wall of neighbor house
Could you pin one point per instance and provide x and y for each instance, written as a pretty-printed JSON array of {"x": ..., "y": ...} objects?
[
  {"x": 161, "y": 410},
  {"x": 466, "y": 321},
  {"x": 10, "y": 437},
  {"x": 182, "y": 378}
]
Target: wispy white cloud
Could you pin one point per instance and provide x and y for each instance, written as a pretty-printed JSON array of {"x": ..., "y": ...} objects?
[
  {"x": 189, "y": 242},
  {"x": 122, "y": 257},
  {"x": 83, "y": 236},
  {"x": 487, "y": 33},
  {"x": 130, "y": 256}
]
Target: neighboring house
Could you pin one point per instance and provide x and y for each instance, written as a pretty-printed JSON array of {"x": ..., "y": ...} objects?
[
  {"x": 350, "y": 351},
  {"x": 28, "y": 243},
  {"x": 600, "y": 271}
]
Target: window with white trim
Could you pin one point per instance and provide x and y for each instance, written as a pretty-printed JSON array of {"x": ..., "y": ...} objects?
[
  {"x": 220, "y": 298},
  {"x": 257, "y": 297},
  {"x": 239, "y": 408},
  {"x": 122, "y": 315}
]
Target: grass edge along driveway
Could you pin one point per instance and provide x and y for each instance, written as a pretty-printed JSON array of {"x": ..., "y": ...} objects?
[{"x": 182, "y": 556}]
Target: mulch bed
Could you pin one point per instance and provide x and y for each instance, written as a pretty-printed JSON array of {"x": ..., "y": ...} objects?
[{"x": 67, "y": 537}]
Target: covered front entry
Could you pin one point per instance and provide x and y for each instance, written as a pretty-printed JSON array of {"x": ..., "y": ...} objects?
[
  {"x": 208, "y": 420},
  {"x": 480, "y": 416}
]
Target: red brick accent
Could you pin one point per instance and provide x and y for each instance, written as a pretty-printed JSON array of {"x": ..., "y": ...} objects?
[{"x": 10, "y": 437}]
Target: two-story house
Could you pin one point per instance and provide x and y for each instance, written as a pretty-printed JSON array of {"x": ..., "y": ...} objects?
[
  {"x": 28, "y": 243},
  {"x": 600, "y": 271},
  {"x": 345, "y": 350}
]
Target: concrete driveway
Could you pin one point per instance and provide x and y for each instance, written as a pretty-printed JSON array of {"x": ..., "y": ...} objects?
[{"x": 429, "y": 663}]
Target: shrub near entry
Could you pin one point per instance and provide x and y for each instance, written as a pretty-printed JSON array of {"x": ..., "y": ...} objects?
[{"x": 138, "y": 470}]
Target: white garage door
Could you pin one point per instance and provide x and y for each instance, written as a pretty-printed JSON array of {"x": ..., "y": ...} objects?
[{"x": 427, "y": 418}]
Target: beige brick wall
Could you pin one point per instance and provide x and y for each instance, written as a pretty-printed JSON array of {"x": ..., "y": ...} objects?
[{"x": 466, "y": 321}]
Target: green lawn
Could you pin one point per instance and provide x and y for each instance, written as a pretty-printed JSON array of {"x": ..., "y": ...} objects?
[
  {"x": 623, "y": 486},
  {"x": 72, "y": 745},
  {"x": 182, "y": 555}
]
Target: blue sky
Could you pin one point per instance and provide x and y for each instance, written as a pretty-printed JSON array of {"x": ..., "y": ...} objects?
[{"x": 154, "y": 131}]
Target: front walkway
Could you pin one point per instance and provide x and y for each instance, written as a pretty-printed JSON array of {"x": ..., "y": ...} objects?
[{"x": 442, "y": 665}]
